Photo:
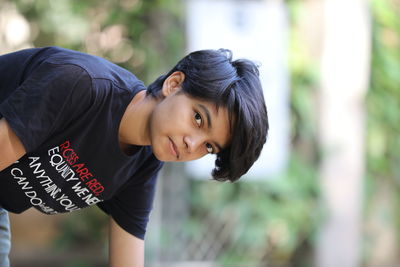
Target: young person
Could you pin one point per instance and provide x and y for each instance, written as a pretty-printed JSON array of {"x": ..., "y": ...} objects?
[{"x": 77, "y": 130}]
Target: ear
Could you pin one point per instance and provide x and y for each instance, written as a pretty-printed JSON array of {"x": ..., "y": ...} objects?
[{"x": 173, "y": 83}]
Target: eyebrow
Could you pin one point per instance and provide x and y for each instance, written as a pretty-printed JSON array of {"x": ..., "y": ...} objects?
[{"x": 209, "y": 123}]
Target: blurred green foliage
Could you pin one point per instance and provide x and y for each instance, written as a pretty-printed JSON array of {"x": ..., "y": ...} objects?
[
  {"x": 383, "y": 101},
  {"x": 270, "y": 220},
  {"x": 289, "y": 202},
  {"x": 383, "y": 117}
]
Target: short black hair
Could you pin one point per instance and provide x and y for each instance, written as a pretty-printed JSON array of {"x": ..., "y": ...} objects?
[{"x": 211, "y": 75}]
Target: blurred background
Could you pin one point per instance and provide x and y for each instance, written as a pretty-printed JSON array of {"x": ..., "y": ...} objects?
[{"x": 326, "y": 189}]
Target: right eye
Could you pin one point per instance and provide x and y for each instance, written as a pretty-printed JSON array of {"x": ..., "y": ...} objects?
[
  {"x": 209, "y": 148},
  {"x": 198, "y": 118}
]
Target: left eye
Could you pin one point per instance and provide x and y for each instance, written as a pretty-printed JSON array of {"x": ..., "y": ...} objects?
[
  {"x": 209, "y": 148},
  {"x": 198, "y": 118}
]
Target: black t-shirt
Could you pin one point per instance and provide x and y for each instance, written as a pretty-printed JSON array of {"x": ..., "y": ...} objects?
[{"x": 66, "y": 108}]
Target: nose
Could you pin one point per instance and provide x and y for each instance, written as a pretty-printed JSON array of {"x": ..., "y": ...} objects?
[{"x": 193, "y": 142}]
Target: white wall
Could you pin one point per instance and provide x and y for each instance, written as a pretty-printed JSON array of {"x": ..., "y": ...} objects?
[{"x": 256, "y": 30}]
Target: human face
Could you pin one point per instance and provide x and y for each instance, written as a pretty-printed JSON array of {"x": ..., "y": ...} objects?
[{"x": 183, "y": 128}]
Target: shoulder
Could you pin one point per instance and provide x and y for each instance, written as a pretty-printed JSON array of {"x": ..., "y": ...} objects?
[
  {"x": 97, "y": 68},
  {"x": 81, "y": 77}
]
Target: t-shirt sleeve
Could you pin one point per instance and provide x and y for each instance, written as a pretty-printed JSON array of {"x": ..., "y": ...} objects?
[
  {"x": 131, "y": 206},
  {"x": 50, "y": 98}
]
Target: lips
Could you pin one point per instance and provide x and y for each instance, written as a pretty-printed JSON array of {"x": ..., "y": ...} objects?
[{"x": 173, "y": 148}]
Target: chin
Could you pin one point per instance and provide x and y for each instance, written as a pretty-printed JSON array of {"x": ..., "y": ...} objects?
[
  {"x": 161, "y": 156},
  {"x": 158, "y": 156},
  {"x": 160, "y": 153}
]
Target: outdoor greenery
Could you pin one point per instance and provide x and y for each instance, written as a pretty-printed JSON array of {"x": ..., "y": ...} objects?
[
  {"x": 383, "y": 101},
  {"x": 273, "y": 220},
  {"x": 383, "y": 109}
]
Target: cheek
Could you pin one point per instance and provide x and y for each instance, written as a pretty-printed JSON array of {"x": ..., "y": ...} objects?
[
  {"x": 157, "y": 119},
  {"x": 155, "y": 130},
  {"x": 159, "y": 132},
  {"x": 163, "y": 112}
]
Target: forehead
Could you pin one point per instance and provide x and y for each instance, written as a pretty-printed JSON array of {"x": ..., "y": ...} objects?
[{"x": 217, "y": 119}]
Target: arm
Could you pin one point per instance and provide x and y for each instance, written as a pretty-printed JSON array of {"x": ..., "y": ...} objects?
[
  {"x": 11, "y": 148},
  {"x": 125, "y": 249}
]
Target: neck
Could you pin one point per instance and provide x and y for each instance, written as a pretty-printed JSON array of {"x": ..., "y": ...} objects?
[{"x": 134, "y": 127}]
